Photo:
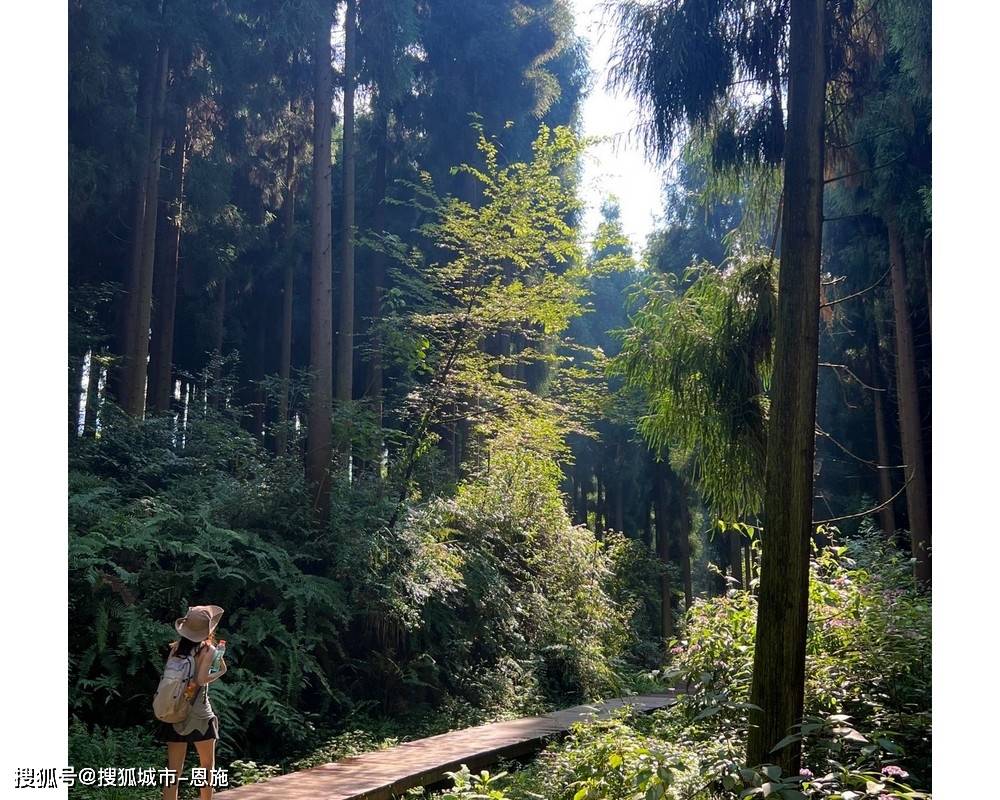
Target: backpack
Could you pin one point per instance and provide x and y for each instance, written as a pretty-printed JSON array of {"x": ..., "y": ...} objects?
[{"x": 169, "y": 702}]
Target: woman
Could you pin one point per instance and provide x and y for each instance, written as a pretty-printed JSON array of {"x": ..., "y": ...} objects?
[{"x": 201, "y": 728}]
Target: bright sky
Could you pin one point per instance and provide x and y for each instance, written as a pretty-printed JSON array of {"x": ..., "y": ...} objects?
[{"x": 617, "y": 166}]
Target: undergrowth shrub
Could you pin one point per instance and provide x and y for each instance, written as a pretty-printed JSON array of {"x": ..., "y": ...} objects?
[
  {"x": 489, "y": 599},
  {"x": 868, "y": 651},
  {"x": 867, "y": 724}
]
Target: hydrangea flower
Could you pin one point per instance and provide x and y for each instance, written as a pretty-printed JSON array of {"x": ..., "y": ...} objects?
[
  {"x": 895, "y": 772},
  {"x": 805, "y": 773}
]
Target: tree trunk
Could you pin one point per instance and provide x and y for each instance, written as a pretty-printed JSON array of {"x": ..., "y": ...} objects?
[
  {"x": 779, "y": 655},
  {"x": 927, "y": 253},
  {"x": 93, "y": 396},
  {"x": 599, "y": 508},
  {"x": 287, "y": 296},
  {"x": 258, "y": 402},
  {"x": 661, "y": 505},
  {"x": 77, "y": 362},
  {"x": 124, "y": 306},
  {"x": 133, "y": 388},
  {"x": 619, "y": 494},
  {"x": 748, "y": 563},
  {"x": 375, "y": 382},
  {"x": 917, "y": 497},
  {"x": 580, "y": 480},
  {"x": 887, "y": 515},
  {"x": 682, "y": 521},
  {"x": 214, "y": 390},
  {"x": 321, "y": 280},
  {"x": 345, "y": 336},
  {"x": 647, "y": 523},
  {"x": 736, "y": 557},
  {"x": 161, "y": 355}
]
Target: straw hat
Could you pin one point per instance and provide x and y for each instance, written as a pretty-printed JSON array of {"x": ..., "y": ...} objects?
[{"x": 199, "y": 622}]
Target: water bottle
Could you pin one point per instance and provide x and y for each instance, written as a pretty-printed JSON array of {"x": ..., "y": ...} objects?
[{"x": 220, "y": 651}]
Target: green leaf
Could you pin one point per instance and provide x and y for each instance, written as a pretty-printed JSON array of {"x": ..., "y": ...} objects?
[{"x": 790, "y": 739}]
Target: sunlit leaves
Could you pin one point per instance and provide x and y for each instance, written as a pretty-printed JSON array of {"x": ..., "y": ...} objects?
[
  {"x": 702, "y": 358},
  {"x": 501, "y": 278}
]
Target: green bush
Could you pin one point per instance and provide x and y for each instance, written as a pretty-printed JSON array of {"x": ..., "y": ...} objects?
[
  {"x": 490, "y": 599},
  {"x": 99, "y": 747},
  {"x": 867, "y": 720}
]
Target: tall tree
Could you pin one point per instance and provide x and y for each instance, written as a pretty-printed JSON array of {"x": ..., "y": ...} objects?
[
  {"x": 887, "y": 514},
  {"x": 661, "y": 513},
  {"x": 345, "y": 334},
  {"x": 321, "y": 276},
  {"x": 287, "y": 296},
  {"x": 140, "y": 282},
  {"x": 778, "y": 685},
  {"x": 910, "y": 421},
  {"x": 375, "y": 387},
  {"x": 160, "y": 389}
]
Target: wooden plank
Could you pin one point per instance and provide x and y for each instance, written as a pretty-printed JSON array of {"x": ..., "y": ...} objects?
[{"x": 383, "y": 774}]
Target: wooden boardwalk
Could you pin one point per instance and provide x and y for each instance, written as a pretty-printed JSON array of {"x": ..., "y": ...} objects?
[{"x": 383, "y": 774}]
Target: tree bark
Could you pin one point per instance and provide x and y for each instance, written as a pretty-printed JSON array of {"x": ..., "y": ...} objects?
[
  {"x": 161, "y": 355},
  {"x": 77, "y": 362},
  {"x": 93, "y": 396},
  {"x": 345, "y": 336},
  {"x": 133, "y": 388},
  {"x": 380, "y": 180},
  {"x": 779, "y": 656},
  {"x": 917, "y": 496},
  {"x": 287, "y": 297},
  {"x": 321, "y": 280},
  {"x": 124, "y": 306}
]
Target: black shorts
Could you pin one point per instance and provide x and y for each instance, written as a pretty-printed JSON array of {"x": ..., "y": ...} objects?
[{"x": 168, "y": 734}]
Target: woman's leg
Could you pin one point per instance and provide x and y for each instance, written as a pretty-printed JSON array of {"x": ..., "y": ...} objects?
[
  {"x": 175, "y": 761},
  {"x": 206, "y": 754}
]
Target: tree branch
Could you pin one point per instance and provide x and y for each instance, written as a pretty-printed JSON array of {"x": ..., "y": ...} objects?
[
  {"x": 862, "y": 139},
  {"x": 862, "y": 171},
  {"x": 845, "y": 368},
  {"x": 867, "y": 512},
  {"x": 872, "y": 464},
  {"x": 856, "y": 294}
]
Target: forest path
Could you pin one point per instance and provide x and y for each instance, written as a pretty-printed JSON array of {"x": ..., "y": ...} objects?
[{"x": 383, "y": 774}]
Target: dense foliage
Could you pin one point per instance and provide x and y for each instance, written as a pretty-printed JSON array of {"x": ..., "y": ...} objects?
[
  {"x": 866, "y": 729},
  {"x": 470, "y": 465},
  {"x": 491, "y": 597}
]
